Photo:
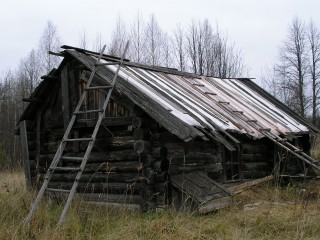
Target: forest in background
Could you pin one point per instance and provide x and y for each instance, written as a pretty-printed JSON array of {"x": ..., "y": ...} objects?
[{"x": 198, "y": 48}]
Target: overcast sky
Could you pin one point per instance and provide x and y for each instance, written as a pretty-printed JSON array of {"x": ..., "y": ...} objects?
[{"x": 258, "y": 27}]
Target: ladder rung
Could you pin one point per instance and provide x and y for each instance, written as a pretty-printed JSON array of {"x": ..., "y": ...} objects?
[
  {"x": 237, "y": 111},
  {"x": 67, "y": 169},
  {"x": 58, "y": 190},
  {"x": 77, "y": 139},
  {"x": 210, "y": 93},
  {"x": 89, "y": 111},
  {"x": 251, "y": 120},
  {"x": 72, "y": 158},
  {"x": 265, "y": 129},
  {"x": 106, "y": 64},
  {"x": 98, "y": 87}
]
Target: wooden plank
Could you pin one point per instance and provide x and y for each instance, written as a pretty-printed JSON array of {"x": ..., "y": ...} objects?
[
  {"x": 25, "y": 153},
  {"x": 65, "y": 96},
  {"x": 241, "y": 187},
  {"x": 215, "y": 204},
  {"x": 107, "y": 121},
  {"x": 115, "y": 198},
  {"x": 38, "y": 131}
]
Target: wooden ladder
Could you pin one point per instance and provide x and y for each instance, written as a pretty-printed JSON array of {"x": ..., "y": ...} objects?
[
  {"x": 282, "y": 142},
  {"x": 90, "y": 141}
]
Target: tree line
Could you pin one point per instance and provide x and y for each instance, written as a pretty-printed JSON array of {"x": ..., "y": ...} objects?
[
  {"x": 197, "y": 48},
  {"x": 295, "y": 77}
]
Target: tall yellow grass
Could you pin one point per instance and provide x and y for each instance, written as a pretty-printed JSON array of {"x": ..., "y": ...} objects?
[{"x": 263, "y": 212}]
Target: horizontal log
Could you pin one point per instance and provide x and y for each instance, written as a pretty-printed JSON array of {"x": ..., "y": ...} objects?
[
  {"x": 256, "y": 166},
  {"x": 141, "y": 146},
  {"x": 194, "y": 157},
  {"x": 95, "y": 157},
  {"x": 114, "y": 198},
  {"x": 255, "y": 157},
  {"x": 141, "y": 134},
  {"x": 187, "y": 168},
  {"x": 111, "y": 187},
  {"x": 107, "y": 121},
  {"x": 255, "y": 174},
  {"x": 138, "y": 122},
  {"x": 255, "y": 149},
  {"x": 98, "y": 177},
  {"x": 130, "y": 166}
]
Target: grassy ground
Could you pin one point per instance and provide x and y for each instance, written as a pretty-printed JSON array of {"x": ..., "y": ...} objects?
[{"x": 264, "y": 212}]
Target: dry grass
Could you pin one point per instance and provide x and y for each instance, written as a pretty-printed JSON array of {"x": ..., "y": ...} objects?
[
  {"x": 315, "y": 149},
  {"x": 265, "y": 212}
]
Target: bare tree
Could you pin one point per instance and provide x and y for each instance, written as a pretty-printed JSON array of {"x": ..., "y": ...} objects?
[
  {"x": 97, "y": 43},
  {"x": 293, "y": 66},
  {"x": 118, "y": 38},
  {"x": 49, "y": 41},
  {"x": 313, "y": 35},
  {"x": 137, "y": 40},
  {"x": 179, "y": 51},
  {"x": 153, "y": 41},
  {"x": 83, "y": 40}
]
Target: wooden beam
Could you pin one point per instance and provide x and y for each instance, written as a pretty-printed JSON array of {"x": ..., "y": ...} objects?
[
  {"x": 56, "y": 54},
  {"x": 65, "y": 96},
  {"x": 241, "y": 187},
  {"x": 25, "y": 153},
  {"x": 107, "y": 121},
  {"x": 38, "y": 130}
]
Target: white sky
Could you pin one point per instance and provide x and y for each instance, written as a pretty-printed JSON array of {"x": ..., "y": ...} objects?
[{"x": 256, "y": 26}]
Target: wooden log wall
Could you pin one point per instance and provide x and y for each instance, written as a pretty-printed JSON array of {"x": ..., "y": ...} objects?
[{"x": 258, "y": 159}]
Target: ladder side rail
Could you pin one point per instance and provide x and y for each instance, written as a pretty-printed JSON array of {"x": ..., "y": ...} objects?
[
  {"x": 91, "y": 143},
  {"x": 60, "y": 149},
  {"x": 44, "y": 186},
  {"x": 292, "y": 152},
  {"x": 83, "y": 95}
]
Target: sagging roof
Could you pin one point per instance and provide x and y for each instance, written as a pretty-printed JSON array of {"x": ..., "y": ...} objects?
[
  {"x": 192, "y": 106},
  {"x": 206, "y": 104}
]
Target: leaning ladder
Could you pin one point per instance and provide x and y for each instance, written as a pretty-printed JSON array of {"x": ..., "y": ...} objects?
[{"x": 90, "y": 141}]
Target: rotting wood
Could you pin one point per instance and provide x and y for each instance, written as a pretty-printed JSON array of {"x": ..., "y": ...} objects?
[
  {"x": 241, "y": 187},
  {"x": 25, "y": 153},
  {"x": 215, "y": 204},
  {"x": 142, "y": 146},
  {"x": 114, "y": 198},
  {"x": 65, "y": 96},
  {"x": 107, "y": 121}
]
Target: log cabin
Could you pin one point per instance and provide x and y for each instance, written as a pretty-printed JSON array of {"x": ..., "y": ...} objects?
[{"x": 168, "y": 138}]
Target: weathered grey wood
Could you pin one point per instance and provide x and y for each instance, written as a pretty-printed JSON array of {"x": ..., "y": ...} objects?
[
  {"x": 100, "y": 187},
  {"x": 138, "y": 122},
  {"x": 141, "y": 134},
  {"x": 25, "y": 152},
  {"x": 215, "y": 204},
  {"x": 241, "y": 187},
  {"x": 38, "y": 133},
  {"x": 142, "y": 146},
  {"x": 154, "y": 109},
  {"x": 98, "y": 177},
  {"x": 187, "y": 168},
  {"x": 65, "y": 96},
  {"x": 114, "y": 198}
]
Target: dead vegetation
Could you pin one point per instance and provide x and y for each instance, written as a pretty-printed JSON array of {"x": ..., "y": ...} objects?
[{"x": 291, "y": 211}]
